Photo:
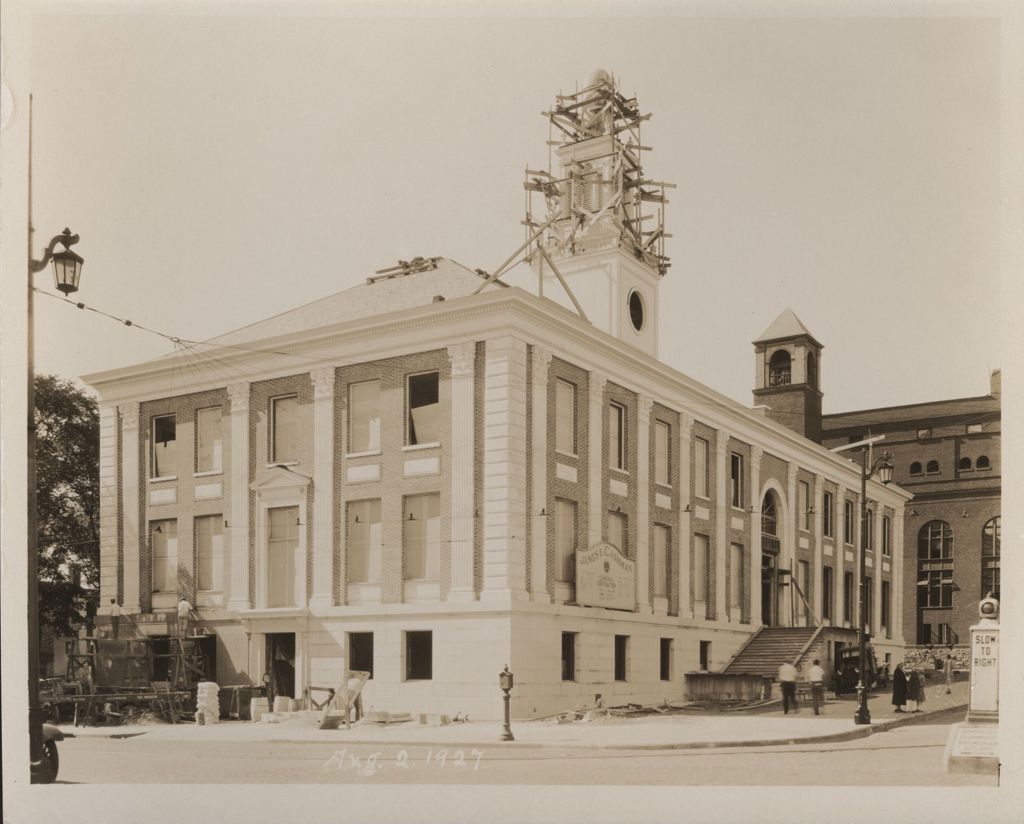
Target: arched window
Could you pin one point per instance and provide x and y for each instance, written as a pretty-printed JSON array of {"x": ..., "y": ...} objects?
[
  {"x": 965, "y": 465},
  {"x": 935, "y": 565},
  {"x": 812, "y": 371},
  {"x": 780, "y": 369},
  {"x": 915, "y": 468},
  {"x": 982, "y": 462},
  {"x": 990, "y": 558},
  {"x": 769, "y": 524},
  {"x": 932, "y": 468}
]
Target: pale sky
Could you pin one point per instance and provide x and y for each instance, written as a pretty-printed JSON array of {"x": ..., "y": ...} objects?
[{"x": 221, "y": 168}]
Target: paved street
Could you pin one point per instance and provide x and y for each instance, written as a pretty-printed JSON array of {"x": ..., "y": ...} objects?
[{"x": 906, "y": 756}]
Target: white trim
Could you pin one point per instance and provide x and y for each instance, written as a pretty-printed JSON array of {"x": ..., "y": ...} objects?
[
  {"x": 275, "y": 497},
  {"x": 417, "y": 446},
  {"x": 372, "y": 453},
  {"x": 205, "y": 474},
  {"x": 163, "y": 478}
]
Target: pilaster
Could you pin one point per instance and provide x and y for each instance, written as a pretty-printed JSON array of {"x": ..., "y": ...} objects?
[
  {"x": 755, "y": 535},
  {"x": 462, "y": 358},
  {"x": 685, "y": 515},
  {"x": 896, "y": 588},
  {"x": 238, "y": 593},
  {"x": 644, "y": 404},
  {"x": 788, "y": 595},
  {"x": 505, "y": 468},
  {"x": 109, "y": 570},
  {"x": 322, "y": 596},
  {"x": 723, "y": 511},
  {"x": 131, "y": 528},
  {"x": 876, "y": 578},
  {"x": 541, "y": 363},
  {"x": 818, "y": 527},
  {"x": 595, "y": 471}
]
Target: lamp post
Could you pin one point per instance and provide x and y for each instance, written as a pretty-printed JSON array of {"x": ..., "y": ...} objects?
[
  {"x": 67, "y": 268},
  {"x": 883, "y": 467},
  {"x": 505, "y": 680}
]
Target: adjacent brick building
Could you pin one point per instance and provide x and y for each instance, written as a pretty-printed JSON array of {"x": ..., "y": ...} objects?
[{"x": 423, "y": 475}]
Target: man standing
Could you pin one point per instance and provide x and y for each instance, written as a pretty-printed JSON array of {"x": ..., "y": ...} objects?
[
  {"x": 816, "y": 675},
  {"x": 787, "y": 681},
  {"x": 184, "y": 610},
  {"x": 115, "y": 617}
]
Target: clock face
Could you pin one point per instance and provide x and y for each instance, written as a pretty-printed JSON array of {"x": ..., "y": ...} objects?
[{"x": 636, "y": 310}]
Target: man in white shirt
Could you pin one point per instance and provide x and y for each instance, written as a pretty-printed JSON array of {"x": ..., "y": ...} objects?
[
  {"x": 816, "y": 675},
  {"x": 184, "y": 611},
  {"x": 787, "y": 681}
]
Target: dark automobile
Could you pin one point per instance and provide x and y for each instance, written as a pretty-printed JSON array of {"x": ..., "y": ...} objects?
[
  {"x": 849, "y": 665},
  {"x": 51, "y": 735}
]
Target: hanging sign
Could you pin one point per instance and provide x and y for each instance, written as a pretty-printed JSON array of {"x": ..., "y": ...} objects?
[{"x": 605, "y": 578}]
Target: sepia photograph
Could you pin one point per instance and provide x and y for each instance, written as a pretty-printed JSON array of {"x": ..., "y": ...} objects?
[{"x": 510, "y": 411}]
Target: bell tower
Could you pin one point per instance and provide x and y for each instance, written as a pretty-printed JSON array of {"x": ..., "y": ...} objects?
[
  {"x": 787, "y": 376},
  {"x": 600, "y": 229}
]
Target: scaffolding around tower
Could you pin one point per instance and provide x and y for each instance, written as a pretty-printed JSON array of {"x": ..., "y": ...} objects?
[{"x": 597, "y": 197}]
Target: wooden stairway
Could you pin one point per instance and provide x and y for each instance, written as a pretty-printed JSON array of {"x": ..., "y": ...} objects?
[{"x": 765, "y": 652}]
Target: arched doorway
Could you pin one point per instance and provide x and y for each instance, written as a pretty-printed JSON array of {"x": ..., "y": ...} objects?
[{"x": 770, "y": 546}]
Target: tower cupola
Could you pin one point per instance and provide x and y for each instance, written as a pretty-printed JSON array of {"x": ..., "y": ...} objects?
[{"x": 788, "y": 374}]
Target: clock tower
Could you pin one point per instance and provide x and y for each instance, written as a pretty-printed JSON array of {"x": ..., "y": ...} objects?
[{"x": 601, "y": 250}]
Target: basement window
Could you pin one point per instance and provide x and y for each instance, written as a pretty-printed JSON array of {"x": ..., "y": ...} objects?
[{"x": 419, "y": 655}]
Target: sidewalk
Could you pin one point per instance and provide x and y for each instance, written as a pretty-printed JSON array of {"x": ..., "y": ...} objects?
[{"x": 682, "y": 731}]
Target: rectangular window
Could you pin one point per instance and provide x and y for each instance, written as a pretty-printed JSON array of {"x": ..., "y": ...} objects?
[
  {"x": 828, "y": 515},
  {"x": 617, "y": 533},
  {"x": 364, "y": 542},
  {"x": 886, "y": 535},
  {"x": 617, "y": 436},
  {"x": 569, "y": 656},
  {"x": 565, "y": 540},
  {"x": 848, "y": 596},
  {"x": 565, "y": 417},
  {"x": 364, "y": 417},
  {"x": 282, "y": 548},
  {"x": 163, "y": 539},
  {"x": 868, "y": 539},
  {"x": 705, "y": 655},
  {"x": 736, "y": 567},
  {"x": 209, "y": 440},
  {"x": 828, "y": 593},
  {"x": 665, "y": 662},
  {"x": 803, "y": 504},
  {"x": 360, "y": 652},
  {"x": 869, "y": 604},
  {"x": 662, "y": 453},
  {"x": 165, "y": 447},
  {"x": 422, "y": 521},
  {"x": 736, "y": 479},
  {"x": 886, "y": 606},
  {"x": 424, "y": 418},
  {"x": 209, "y": 531},
  {"x": 701, "y": 480},
  {"x": 848, "y": 522},
  {"x": 419, "y": 655},
  {"x": 621, "y": 653},
  {"x": 283, "y": 429},
  {"x": 803, "y": 576},
  {"x": 662, "y": 540},
  {"x": 701, "y": 557}
]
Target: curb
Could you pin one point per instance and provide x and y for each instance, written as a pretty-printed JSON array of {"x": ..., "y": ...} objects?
[{"x": 847, "y": 735}]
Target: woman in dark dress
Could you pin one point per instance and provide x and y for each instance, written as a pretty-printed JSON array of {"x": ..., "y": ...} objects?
[{"x": 899, "y": 688}]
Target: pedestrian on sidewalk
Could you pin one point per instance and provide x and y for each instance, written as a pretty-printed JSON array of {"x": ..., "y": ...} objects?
[
  {"x": 899, "y": 688},
  {"x": 816, "y": 675},
  {"x": 947, "y": 671},
  {"x": 837, "y": 680},
  {"x": 787, "y": 681},
  {"x": 915, "y": 690}
]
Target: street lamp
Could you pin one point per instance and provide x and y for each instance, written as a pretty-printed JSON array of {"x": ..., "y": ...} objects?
[
  {"x": 883, "y": 468},
  {"x": 505, "y": 680},
  {"x": 67, "y": 268}
]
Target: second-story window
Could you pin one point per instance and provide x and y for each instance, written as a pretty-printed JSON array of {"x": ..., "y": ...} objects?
[
  {"x": 422, "y": 537},
  {"x": 848, "y": 522},
  {"x": 700, "y": 468},
  {"x": 617, "y": 436},
  {"x": 209, "y": 441},
  {"x": 617, "y": 533},
  {"x": 736, "y": 479},
  {"x": 364, "y": 417},
  {"x": 565, "y": 417},
  {"x": 662, "y": 453},
  {"x": 886, "y": 535},
  {"x": 828, "y": 515},
  {"x": 283, "y": 429},
  {"x": 165, "y": 447},
  {"x": 364, "y": 541},
  {"x": 804, "y": 514},
  {"x": 424, "y": 418}
]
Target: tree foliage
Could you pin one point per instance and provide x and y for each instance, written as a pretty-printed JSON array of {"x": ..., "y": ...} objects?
[{"x": 67, "y": 496}]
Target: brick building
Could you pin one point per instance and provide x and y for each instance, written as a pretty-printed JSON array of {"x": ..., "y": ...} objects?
[
  {"x": 435, "y": 474},
  {"x": 947, "y": 453}
]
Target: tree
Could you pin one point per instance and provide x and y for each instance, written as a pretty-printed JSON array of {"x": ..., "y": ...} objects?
[{"x": 67, "y": 495}]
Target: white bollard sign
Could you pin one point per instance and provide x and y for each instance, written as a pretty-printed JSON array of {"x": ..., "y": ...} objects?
[{"x": 984, "y": 669}]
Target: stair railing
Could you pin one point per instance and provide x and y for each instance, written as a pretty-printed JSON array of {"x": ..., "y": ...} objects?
[{"x": 807, "y": 646}]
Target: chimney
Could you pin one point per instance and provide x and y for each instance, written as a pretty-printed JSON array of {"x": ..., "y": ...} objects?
[{"x": 995, "y": 380}]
